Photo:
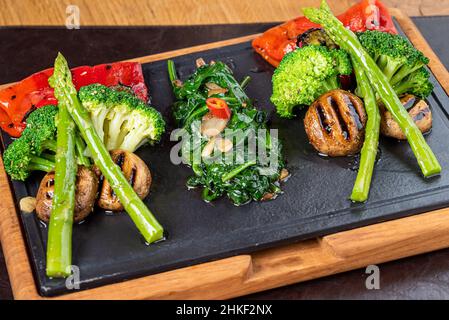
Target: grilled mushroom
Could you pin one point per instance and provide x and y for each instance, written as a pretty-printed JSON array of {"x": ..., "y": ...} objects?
[
  {"x": 315, "y": 37},
  {"x": 418, "y": 110},
  {"x": 135, "y": 171},
  {"x": 335, "y": 123},
  {"x": 86, "y": 193}
]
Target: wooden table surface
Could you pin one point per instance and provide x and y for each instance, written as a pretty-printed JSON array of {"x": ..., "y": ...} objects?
[
  {"x": 188, "y": 12},
  {"x": 182, "y": 12}
]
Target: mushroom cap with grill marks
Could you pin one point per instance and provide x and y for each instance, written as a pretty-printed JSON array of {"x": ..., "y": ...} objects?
[
  {"x": 418, "y": 110},
  {"x": 85, "y": 194},
  {"x": 135, "y": 171},
  {"x": 335, "y": 123}
]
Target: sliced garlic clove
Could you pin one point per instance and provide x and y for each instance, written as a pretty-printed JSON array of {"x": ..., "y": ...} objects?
[
  {"x": 284, "y": 174},
  {"x": 27, "y": 204},
  {"x": 208, "y": 148},
  {"x": 223, "y": 144},
  {"x": 200, "y": 62},
  {"x": 212, "y": 126}
]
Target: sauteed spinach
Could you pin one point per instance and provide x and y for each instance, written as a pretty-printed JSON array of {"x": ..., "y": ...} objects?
[{"x": 244, "y": 172}]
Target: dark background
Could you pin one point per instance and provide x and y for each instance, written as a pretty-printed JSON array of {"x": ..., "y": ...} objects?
[{"x": 421, "y": 277}]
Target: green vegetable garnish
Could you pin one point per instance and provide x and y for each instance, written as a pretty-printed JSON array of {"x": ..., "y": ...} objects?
[
  {"x": 305, "y": 74},
  {"x": 34, "y": 150},
  {"x": 20, "y": 161},
  {"x": 59, "y": 244},
  {"x": 348, "y": 41},
  {"x": 244, "y": 180},
  {"x": 368, "y": 154},
  {"x": 134, "y": 206},
  {"x": 400, "y": 62},
  {"x": 131, "y": 123}
]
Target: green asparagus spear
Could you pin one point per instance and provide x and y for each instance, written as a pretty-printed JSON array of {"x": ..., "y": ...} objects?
[
  {"x": 369, "y": 150},
  {"x": 59, "y": 245},
  {"x": 138, "y": 211},
  {"x": 348, "y": 41}
]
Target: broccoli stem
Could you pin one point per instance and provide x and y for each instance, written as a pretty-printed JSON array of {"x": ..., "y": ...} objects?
[
  {"x": 133, "y": 141},
  {"x": 41, "y": 164},
  {"x": 403, "y": 73},
  {"x": 403, "y": 87},
  {"x": 80, "y": 148},
  {"x": 348, "y": 41},
  {"x": 49, "y": 145},
  {"x": 368, "y": 155},
  {"x": 48, "y": 156},
  {"x": 137, "y": 210},
  {"x": 231, "y": 174},
  {"x": 331, "y": 83},
  {"x": 59, "y": 245},
  {"x": 388, "y": 67}
]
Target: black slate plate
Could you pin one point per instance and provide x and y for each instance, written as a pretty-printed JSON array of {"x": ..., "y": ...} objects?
[{"x": 109, "y": 249}]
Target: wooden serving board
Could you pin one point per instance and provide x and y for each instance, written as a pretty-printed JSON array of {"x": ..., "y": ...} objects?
[{"x": 263, "y": 270}]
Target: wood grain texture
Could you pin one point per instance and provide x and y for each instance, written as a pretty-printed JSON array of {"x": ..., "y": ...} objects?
[
  {"x": 182, "y": 12},
  {"x": 271, "y": 268}
]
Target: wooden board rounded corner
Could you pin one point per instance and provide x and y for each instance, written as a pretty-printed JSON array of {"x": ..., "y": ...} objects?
[{"x": 244, "y": 274}]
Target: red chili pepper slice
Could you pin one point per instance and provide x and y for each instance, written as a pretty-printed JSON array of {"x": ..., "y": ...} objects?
[
  {"x": 18, "y": 100},
  {"x": 219, "y": 108}
]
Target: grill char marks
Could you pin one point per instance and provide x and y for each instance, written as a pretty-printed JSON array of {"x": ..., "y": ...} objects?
[
  {"x": 336, "y": 108},
  {"x": 134, "y": 170},
  {"x": 322, "y": 118},
  {"x": 418, "y": 110},
  {"x": 335, "y": 123},
  {"x": 351, "y": 102},
  {"x": 85, "y": 196},
  {"x": 132, "y": 177}
]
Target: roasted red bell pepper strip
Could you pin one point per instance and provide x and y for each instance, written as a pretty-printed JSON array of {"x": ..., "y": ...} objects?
[
  {"x": 368, "y": 15},
  {"x": 83, "y": 76},
  {"x": 274, "y": 43},
  {"x": 9, "y": 127},
  {"x": 126, "y": 73},
  {"x": 219, "y": 108},
  {"x": 18, "y": 100}
]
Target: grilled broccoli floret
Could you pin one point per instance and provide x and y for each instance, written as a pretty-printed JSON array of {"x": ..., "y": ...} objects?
[
  {"x": 95, "y": 98},
  {"x": 143, "y": 125},
  {"x": 35, "y": 149},
  {"x": 416, "y": 83},
  {"x": 399, "y": 60},
  {"x": 121, "y": 119},
  {"x": 20, "y": 161},
  {"x": 40, "y": 131},
  {"x": 305, "y": 74}
]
